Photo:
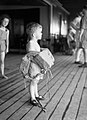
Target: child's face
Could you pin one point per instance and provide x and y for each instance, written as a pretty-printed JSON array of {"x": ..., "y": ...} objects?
[
  {"x": 5, "y": 22},
  {"x": 38, "y": 33}
]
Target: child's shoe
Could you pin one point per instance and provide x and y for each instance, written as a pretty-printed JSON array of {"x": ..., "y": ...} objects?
[
  {"x": 40, "y": 97},
  {"x": 34, "y": 102}
]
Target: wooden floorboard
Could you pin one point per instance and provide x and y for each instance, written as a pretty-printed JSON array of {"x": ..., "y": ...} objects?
[{"x": 65, "y": 94}]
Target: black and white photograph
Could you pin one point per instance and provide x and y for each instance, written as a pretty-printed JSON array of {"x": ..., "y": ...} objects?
[{"x": 43, "y": 59}]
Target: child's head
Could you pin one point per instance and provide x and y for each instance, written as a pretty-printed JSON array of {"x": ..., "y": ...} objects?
[
  {"x": 4, "y": 20},
  {"x": 34, "y": 30}
]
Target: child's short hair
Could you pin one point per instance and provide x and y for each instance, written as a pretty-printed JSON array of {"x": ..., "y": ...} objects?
[
  {"x": 31, "y": 28},
  {"x": 3, "y": 17}
]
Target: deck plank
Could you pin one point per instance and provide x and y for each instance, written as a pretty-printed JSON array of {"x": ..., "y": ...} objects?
[
  {"x": 76, "y": 98},
  {"x": 43, "y": 90},
  {"x": 82, "y": 115},
  {"x": 7, "y": 110},
  {"x": 60, "y": 90},
  {"x": 68, "y": 92},
  {"x": 53, "y": 91},
  {"x": 61, "y": 107}
]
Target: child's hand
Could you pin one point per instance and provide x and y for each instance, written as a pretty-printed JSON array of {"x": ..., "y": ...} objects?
[
  {"x": 43, "y": 71},
  {"x": 7, "y": 50}
]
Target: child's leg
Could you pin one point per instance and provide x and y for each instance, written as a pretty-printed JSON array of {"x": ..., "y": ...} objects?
[
  {"x": 32, "y": 90},
  {"x": 38, "y": 97},
  {"x": 36, "y": 90},
  {"x": 36, "y": 86}
]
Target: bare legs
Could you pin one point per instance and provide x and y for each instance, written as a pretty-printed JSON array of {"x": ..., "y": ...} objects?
[
  {"x": 2, "y": 57},
  {"x": 34, "y": 89}
]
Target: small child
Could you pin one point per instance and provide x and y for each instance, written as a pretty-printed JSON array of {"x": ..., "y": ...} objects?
[{"x": 34, "y": 32}]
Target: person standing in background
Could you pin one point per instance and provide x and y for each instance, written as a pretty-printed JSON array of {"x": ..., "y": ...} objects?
[
  {"x": 4, "y": 42},
  {"x": 79, "y": 49},
  {"x": 83, "y": 36}
]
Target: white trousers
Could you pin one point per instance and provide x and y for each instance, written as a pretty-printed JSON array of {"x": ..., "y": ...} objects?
[
  {"x": 78, "y": 54},
  {"x": 85, "y": 55}
]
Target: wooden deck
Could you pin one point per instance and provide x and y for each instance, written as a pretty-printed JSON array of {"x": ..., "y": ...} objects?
[{"x": 68, "y": 92}]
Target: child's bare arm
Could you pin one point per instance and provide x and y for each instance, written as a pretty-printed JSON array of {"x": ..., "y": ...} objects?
[{"x": 33, "y": 53}]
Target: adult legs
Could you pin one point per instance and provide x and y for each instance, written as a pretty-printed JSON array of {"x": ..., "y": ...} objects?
[
  {"x": 77, "y": 55},
  {"x": 85, "y": 58}
]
